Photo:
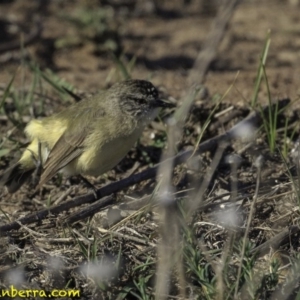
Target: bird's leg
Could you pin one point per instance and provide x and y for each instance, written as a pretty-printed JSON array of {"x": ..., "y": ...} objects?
[
  {"x": 38, "y": 166},
  {"x": 89, "y": 185}
]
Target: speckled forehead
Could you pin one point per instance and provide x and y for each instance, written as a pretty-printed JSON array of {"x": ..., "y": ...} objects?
[{"x": 149, "y": 89}]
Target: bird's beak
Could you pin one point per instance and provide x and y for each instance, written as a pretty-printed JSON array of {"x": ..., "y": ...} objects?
[{"x": 161, "y": 103}]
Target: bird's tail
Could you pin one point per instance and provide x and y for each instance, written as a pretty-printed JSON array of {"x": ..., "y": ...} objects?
[{"x": 15, "y": 177}]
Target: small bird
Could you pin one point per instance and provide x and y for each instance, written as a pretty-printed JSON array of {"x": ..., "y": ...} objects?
[{"x": 89, "y": 137}]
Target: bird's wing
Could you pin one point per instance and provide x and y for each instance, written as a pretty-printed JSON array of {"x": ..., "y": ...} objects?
[
  {"x": 66, "y": 149},
  {"x": 70, "y": 145}
]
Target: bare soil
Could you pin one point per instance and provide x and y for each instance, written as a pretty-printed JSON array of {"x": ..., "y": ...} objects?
[{"x": 164, "y": 43}]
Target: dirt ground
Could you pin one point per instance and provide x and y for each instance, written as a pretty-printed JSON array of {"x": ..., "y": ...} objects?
[
  {"x": 166, "y": 46},
  {"x": 164, "y": 43}
]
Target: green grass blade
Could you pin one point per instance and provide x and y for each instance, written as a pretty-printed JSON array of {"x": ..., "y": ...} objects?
[
  {"x": 260, "y": 69},
  {"x": 7, "y": 90},
  {"x": 121, "y": 67}
]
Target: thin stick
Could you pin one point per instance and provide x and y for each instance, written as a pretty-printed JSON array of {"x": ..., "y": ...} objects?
[{"x": 252, "y": 210}]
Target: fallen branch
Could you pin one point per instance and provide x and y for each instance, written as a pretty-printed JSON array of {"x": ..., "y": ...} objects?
[{"x": 276, "y": 241}]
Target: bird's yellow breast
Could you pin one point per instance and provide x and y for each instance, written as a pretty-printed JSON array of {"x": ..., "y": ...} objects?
[{"x": 100, "y": 158}]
